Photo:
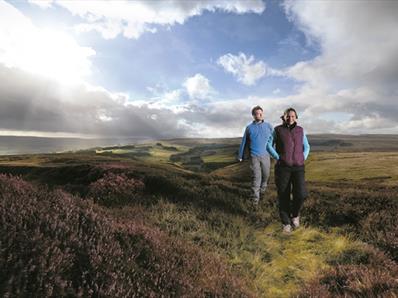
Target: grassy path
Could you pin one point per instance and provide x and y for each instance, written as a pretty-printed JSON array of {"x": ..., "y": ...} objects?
[{"x": 271, "y": 263}]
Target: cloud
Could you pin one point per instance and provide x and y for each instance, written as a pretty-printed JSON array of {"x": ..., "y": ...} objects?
[
  {"x": 245, "y": 69},
  {"x": 35, "y": 99},
  {"x": 133, "y": 18},
  {"x": 353, "y": 77},
  {"x": 168, "y": 99},
  {"x": 357, "y": 70},
  {"x": 44, "y": 4},
  {"x": 31, "y": 103},
  {"x": 41, "y": 51},
  {"x": 276, "y": 91},
  {"x": 198, "y": 87}
]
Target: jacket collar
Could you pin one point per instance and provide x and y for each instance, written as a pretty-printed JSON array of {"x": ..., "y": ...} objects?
[{"x": 291, "y": 126}]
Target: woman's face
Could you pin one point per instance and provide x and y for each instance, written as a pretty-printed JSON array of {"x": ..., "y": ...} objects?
[{"x": 291, "y": 117}]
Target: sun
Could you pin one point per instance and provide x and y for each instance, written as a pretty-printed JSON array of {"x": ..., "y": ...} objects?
[{"x": 54, "y": 54}]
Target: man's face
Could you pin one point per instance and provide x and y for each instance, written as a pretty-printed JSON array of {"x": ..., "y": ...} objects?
[
  {"x": 291, "y": 117},
  {"x": 258, "y": 115}
]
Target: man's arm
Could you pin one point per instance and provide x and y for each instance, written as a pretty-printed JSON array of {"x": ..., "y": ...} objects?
[
  {"x": 306, "y": 146},
  {"x": 270, "y": 146},
  {"x": 242, "y": 145}
]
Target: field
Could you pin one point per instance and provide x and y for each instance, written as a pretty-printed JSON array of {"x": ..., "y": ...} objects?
[{"x": 172, "y": 218}]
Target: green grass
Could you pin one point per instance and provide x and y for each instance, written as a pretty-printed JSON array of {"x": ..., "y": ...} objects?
[
  {"x": 219, "y": 158},
  {"x": 355, "y": 166},
  {"x": 55, "y": 159},
  {"x": 273, "y": 264},
  {"x": 155, "y": 152},
  {"x": 379, "y": 167}
]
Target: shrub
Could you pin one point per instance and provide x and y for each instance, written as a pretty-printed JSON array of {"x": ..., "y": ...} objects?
[
  {"x": 380, "y": 228},
  {"x": 354, "y": 281},
  {"x": 362, "y": 271},
  {"x": 165, "y": 185},
  {"x": 55, "y": 244},
  {"x": 368, "y": 211},
  {"x": 115, "y": 189}
]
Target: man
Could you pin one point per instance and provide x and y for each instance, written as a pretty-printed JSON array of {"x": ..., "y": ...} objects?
[
  {"x": 255, "y": 139},
  {"x": 291, "y": 150}
]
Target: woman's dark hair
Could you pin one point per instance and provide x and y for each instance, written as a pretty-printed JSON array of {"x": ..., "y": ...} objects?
[
  {"x": 256, "y": 108},
  {"x": 288, "y": 110}
]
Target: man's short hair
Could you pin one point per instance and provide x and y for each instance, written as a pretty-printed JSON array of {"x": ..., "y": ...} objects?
[
  {"x": 288, "y": 110},
  {"x": 255, "y": 109}
]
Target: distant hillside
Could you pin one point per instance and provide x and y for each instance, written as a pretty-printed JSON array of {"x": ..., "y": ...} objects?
[
  {"x": 322, "y": 142},
  {"x": 333, "y": 142},
  {"x": 26, "y": 145}
]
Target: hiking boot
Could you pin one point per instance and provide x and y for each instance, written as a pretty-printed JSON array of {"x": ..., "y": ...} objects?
[
  {"x": 296, "y": 222},
  {"x": 287, "y": 229},
  {"x": 255, "y": 202}
]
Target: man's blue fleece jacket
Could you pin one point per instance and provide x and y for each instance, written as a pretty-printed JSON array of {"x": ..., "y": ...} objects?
[{"x": 256, "y": 136}]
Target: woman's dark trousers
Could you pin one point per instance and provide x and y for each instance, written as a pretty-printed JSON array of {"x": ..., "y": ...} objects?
[{"x": 290, "y": 180}]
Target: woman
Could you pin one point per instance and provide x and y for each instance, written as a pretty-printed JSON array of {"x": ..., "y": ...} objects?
[{"x": 289, "y": 146}]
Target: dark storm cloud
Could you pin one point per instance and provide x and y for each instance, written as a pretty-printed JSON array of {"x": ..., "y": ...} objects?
[{"x": 31, "y": 103}]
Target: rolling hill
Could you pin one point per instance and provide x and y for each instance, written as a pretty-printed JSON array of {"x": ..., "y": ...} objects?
[{"x": 172, "y": 218}]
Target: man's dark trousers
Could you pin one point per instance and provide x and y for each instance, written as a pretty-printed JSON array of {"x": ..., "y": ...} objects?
[{"x": 287, "y": 177}]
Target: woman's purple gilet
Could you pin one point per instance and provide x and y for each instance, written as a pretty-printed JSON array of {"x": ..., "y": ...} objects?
[{"x": 289, "y": 145}]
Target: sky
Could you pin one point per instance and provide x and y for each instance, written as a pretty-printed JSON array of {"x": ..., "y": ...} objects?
[{"x": 165, "y": 69}]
